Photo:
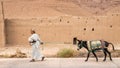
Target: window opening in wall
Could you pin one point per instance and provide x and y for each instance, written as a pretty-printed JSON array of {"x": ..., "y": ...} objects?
[
  {"x": 84, "y": 29},
  {"x": 111, "y": 26},
  {"x": 93, "y": 29},
  {"x": 68, "y": 22}
]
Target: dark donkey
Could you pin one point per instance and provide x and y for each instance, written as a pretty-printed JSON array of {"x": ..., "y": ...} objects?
[{"x": 102, "y": 47}]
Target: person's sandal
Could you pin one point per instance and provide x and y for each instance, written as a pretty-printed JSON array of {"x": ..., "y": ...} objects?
[
  {"x": 33, "y": 60},
  {"x": 43, "y": 58}
]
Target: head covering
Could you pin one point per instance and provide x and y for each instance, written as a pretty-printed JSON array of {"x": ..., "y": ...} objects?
[{"x": 33, "y": 30}]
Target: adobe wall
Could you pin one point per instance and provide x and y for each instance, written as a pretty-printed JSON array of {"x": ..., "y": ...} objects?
[
  {"x": 63, "y": 29},
  {"x": 57, "y": 27},
  {"x": 2, "y": 31}
]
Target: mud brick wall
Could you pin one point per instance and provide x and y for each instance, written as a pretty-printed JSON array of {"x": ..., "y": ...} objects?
[
  {"x": 63, "y": 29},
  {"x": 2, "y": 29},
  {"x": 55, "y": 22}
]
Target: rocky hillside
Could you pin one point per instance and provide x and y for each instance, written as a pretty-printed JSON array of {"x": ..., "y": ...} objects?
[
  {"x": 37, "y": 8},
  {"x": 97, "y": 7}
]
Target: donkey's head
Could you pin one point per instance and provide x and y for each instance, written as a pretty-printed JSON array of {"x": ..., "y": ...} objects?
[
  {"x": 80, "y": 44},
  {"x": 77, "y": 42}
]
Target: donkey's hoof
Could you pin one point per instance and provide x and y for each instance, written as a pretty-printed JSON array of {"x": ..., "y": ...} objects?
[
  {"x": 111, "y": 59},
  {"x": 104, "y": 60},
  {"x": 96, "y": 60},
  {"x": 86, "y": 60}
]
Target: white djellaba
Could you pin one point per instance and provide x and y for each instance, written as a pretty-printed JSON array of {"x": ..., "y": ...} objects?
[{"x": 35, "y": 41}]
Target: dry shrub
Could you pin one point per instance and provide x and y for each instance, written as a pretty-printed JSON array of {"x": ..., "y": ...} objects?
[
  {"x": 116, "y": 53},
  {"x": 65, "y": 53}
]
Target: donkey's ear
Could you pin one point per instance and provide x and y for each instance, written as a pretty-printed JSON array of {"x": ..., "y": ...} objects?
[{"x": 74, "y": 40}]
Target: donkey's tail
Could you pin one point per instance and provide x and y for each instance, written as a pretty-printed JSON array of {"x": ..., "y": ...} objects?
[{"x": 112, "y": 46}]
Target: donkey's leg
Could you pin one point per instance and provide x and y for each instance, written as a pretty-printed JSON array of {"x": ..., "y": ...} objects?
[
  {"x": 109, "y": 54},
  {"x": 105, "y": 55},
  {"x": 95, "y": 55},
  {"x": 87, "y": 56}
]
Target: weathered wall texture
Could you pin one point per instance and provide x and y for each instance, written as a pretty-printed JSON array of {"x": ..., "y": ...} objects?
[
  {"x": 64, "y": 28},
  {"x": 2, "y": 32},
  {"x": 59, "y": 21}
]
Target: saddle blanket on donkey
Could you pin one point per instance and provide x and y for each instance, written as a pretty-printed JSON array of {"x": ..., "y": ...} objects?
[{"x": 95, "y": 44}]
